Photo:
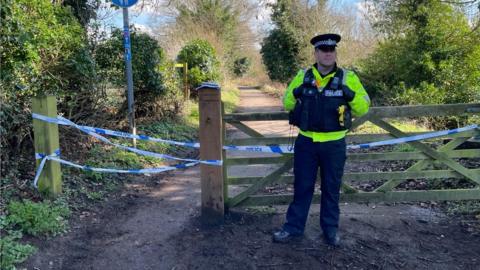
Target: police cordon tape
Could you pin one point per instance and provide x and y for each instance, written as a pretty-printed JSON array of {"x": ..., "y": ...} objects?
[
  {"x": 281, "y": 149},
  {"x": 64, "y": 121},
  {"x": 95, "y": 132},
  {"x": 55, "y": 157}
]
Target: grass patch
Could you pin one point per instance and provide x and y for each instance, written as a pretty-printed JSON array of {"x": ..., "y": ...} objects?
[
  {"x": 42, "y": 218},
  {"x": 191, "y": 116},
  {"x": 230, "y": 97},
  {"x": 404, "y": 147},
  {"x": 172, "y": 130},
  {"x": 403, "y": 125},
  {"x": 107, "y": 156},
  {"x": 464, "y": 208},
  {"x": 261, "y": 210},
  {"x": 274, "y": 89}
]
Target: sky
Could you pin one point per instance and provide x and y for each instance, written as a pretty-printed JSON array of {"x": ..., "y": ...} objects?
[{"x": 145, "y": 18}]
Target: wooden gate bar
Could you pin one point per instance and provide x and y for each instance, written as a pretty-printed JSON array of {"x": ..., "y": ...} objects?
[
  {"x": 373, "y": 197},
  {"x": 427, "y": 150},
  {"x": 264, "y": 181},
  {"x": 351, "y": 138},
  {"x": 224, "y": 158},
  {"x": 471, "y": 153},
  {"x": 382, "y": 112},
  {"x": 255, "y": 116},
  {"x": 359, "y": 177},
  {"x": 347, "y": 189},
  {"x": 423, "y": 110},
  {"x": 389, "y": 185},
  {"x": 359, "y": 121},
  {"x": 245, "y": 129},
  {"x": 448, "y": 150}
]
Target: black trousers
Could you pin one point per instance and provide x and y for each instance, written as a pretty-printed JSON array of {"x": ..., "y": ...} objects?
[{"x": 308, "y": 157}]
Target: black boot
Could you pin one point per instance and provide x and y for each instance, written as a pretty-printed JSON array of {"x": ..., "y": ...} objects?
[
  {"x": 283, "y": 236},
  {"x": 332, "y": 240}
]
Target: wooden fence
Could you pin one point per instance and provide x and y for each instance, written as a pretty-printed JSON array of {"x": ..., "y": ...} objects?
[{"x": 446, "y": 157}]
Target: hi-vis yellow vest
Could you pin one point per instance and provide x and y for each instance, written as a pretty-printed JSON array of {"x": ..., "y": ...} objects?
[{"x": 359, "y": 105}]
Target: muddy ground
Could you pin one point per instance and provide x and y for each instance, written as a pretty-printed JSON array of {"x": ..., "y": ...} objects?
[{"x": 153, "y": 224}]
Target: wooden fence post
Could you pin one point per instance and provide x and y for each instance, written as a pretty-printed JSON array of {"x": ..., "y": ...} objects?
[
  {"x": 46, "y": 141},
  {"x": 213, "y": 208}
]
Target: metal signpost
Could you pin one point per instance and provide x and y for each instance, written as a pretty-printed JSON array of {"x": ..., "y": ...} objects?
[{"x": 125, "y": 4}]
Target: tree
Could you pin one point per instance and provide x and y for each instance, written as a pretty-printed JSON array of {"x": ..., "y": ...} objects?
[
  {"x": 280, "y": 54},
  {"x": 430, "y": 55},
  {"x": 296, "y": 22},
  {"x": 83, "y": 10},
  {"x": 281, "y": 48}
]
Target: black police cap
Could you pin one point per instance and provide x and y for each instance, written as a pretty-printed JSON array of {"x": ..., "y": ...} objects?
[{"x": 325, "y": 40}]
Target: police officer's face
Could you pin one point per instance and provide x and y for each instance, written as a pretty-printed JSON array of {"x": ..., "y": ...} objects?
[{"x": 326, "y": 56}]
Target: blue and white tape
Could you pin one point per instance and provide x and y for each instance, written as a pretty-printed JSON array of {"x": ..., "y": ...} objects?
[
  {"x": 64, "y": 121},
  {"x": 54, "y": 157},
  {"x": 284, "y": 149},
  {"x": 41, "y": 155},
  {"x": 281, "y": 149},
  {"x": 44, "y": 158},
  {"x": 413, "y": 138},
  {"x": 114, "y": 133}
]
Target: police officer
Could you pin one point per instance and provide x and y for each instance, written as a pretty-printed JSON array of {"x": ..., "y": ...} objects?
[{"x": 320, "y": 101}]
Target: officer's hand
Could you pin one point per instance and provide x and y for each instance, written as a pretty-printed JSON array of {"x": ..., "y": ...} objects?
[
  {"x": 297, "y": 92},
  {"x": 348, "y": 94}
]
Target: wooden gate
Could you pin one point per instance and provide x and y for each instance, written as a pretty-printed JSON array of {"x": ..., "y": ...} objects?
[{"x": 431, "y": 163}]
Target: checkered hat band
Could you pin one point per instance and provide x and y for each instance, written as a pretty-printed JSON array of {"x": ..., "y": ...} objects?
[{"x": 328, "y": 42}]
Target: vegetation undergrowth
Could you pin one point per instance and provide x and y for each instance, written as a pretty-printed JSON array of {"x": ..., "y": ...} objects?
[
  {"x": 26, "y": 217},
  {"x": 468, "y": 213},
  {"x": 82, "y": 189}
]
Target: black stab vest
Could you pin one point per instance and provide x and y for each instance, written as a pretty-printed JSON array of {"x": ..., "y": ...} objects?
[{"x": 318, "y": 110}]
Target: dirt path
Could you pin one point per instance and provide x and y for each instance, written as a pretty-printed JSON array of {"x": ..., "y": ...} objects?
[{"x": 153, "y": 224}]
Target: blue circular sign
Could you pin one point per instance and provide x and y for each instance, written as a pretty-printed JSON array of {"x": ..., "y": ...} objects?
[{"x": 124, "y": 3}]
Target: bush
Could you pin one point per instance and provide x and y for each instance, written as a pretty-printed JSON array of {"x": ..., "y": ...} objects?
[
  {"x": 155, "y": 81},
  {"x": 43, "y": 218},
  {"x": 241, "y": 66},
  {"x": 202, "y": 62},
  {"x": 44, "y": 51}
]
